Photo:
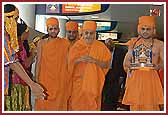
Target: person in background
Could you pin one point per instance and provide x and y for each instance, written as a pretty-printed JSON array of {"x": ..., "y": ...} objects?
[
  {"x": 144, "y": 91},
  {"x": 72, "y": 32},
  {"x": 88, "y": 63},
  {"x": 33, "y": 50},
  {"x": 112, "y": 86},
  {"x": 72, "y": 37}
]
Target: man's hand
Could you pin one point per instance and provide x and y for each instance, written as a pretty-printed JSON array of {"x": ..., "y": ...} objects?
[
  {"x": 93, "y": 60},
  {"x": 129, "y": 55},
  {"x": 85, "y": 59},
  {"x": 38, "y": 91}
]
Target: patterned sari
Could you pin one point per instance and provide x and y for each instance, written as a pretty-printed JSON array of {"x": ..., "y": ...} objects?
[{"x": 19, "y": 100}]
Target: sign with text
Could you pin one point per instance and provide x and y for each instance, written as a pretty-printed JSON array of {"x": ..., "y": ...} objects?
[{"x": 80, "y": 8}]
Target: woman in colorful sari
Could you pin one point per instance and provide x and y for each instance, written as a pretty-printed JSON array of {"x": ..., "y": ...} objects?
[{"x": 19, "y": 98}]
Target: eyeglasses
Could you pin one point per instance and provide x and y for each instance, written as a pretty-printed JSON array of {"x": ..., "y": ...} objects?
[{"x": 52, "y": 28}]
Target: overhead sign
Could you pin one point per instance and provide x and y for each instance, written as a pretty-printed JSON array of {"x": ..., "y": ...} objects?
[
  {"x": 52, "y": 8},
  {"x": 80, "y": 8}
]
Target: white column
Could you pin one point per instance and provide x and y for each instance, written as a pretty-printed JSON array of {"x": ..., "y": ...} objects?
[
  {"x": 62, "y": 23},
  {"x": 27, "y": 13}
]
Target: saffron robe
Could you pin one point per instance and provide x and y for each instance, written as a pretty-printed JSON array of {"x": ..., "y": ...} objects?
[
  {"x": 53, "y": 75},
  {"x": 161, "y": 75},
  {"x": 87, "y": 78},
  {"x": 143, "y": 87}
]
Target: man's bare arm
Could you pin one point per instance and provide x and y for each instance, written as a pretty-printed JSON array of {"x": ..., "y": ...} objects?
[{"x": 36, "y": 88}]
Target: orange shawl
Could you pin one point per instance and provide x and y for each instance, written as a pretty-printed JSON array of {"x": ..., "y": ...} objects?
[
  {"x": 161, "y": 75},
  {"x": 53, "y": 75},
  {"x": 93, "y": 76}
]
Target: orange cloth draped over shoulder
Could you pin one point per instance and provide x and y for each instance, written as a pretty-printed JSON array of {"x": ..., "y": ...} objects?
[
  {"x": 88, "y": 78},
  {"x": 53, "y": 75},
  {"x": 143, "y": 88}
]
